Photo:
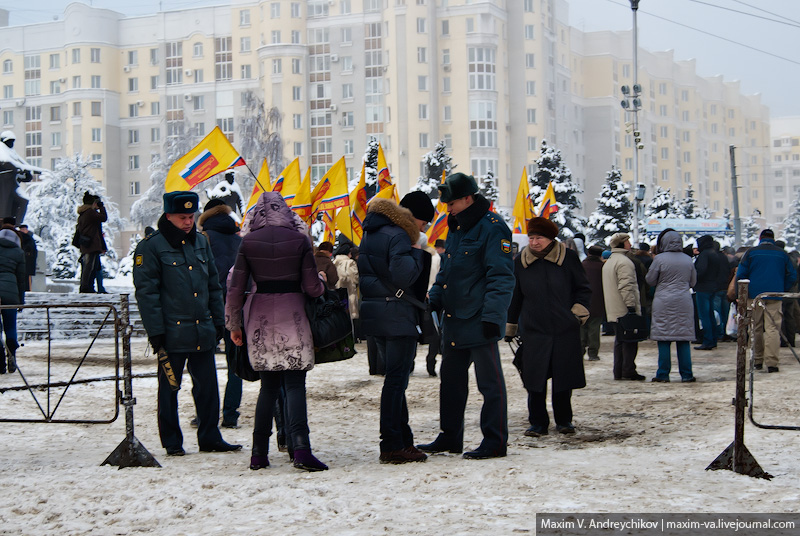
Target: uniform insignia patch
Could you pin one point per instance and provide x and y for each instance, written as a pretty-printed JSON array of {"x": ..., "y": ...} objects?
[
  {"x": 139, "y": 260},
  {"x": 188, "y": 204},
  {"x": 505, "y": 245}
]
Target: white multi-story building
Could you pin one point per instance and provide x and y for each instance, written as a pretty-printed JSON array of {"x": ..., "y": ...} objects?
[{"x": 492, "y": 78}]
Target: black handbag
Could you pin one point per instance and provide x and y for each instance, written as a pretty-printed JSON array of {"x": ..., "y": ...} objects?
[
  {"x": 632, "y": 328},
  {"x": 241, "y": 363},
  {"x": 329, "y": 318}
]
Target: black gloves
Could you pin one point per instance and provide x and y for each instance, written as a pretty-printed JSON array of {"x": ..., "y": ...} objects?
[
  {"x": 158, "y": 342},
  {"x": 490, "y": 330},
  {"x": 220, "y": 332},
  {"x": 508, "y": 338},
  {"x": 631, "y": 310}
]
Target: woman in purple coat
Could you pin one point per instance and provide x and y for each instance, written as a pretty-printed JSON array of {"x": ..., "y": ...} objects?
[{"x": 276, "y": 253}]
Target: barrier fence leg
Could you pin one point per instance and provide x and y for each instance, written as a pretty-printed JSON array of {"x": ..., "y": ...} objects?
[
  {"x": 129, "y": 453},
  {"x": 736, "y": 457}
]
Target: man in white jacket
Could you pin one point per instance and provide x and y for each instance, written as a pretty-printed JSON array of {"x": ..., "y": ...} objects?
[{"x": 621, "y": 295}]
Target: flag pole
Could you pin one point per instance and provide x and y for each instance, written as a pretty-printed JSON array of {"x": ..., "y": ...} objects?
[{"x": 254, "y": 176}]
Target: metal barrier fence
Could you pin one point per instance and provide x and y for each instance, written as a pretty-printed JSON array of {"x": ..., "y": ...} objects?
[
  {"x": 130, "y": 452},
  {"x": 736, "y": 457}
]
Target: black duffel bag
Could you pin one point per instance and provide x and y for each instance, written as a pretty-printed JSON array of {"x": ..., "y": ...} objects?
[
  {"x": 241, "y": 362},
  {"x": 329, "y": 318}
]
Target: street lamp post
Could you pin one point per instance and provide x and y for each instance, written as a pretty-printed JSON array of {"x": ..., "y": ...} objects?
[
  {"x": 633, "y": 103},
  {"x": 638, "y": 197}
]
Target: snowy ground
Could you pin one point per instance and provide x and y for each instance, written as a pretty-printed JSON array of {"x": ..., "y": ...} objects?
[{"x": 640, "y": 447}]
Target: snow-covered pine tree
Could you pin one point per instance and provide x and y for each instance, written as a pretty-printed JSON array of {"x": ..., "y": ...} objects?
[
  {"x": 751, "y": 229},
  {"x": 704, "y": 213},
  {"x": 126, "y": 263},
  {"x": 791, "y": 225},
  {"x": 661, "y": 205},
  {"x": 434, "y": 162},
  {"x": 551, "y": 167},
  {"x": 259, "y": 138},
  {"x": 488, "y": 188},
  {"x": 64, "y": 263},
  {"x": 371, "y": 167},
  {"x": 52, "y": 210},
  {"x": 614, "y": 209},
  {"x": 686, "y": 206}
]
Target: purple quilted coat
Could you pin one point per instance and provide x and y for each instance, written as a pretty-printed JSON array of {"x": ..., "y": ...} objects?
[{"x": 276, "y": 248}]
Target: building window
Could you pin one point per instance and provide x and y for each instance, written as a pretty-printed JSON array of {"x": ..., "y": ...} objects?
[
  {"x": 134, "y": 188},
  {"x": 295, "y": 8},
  {"x": 244, "y": 43},
  {"x": 347, "y": 36},
  {"x": 347, "y": 64},
  {"x": 447, "y": 113},
  {"x": 199, "y": 129},
  {"x": 348, "y": 146},
  {"x": 223, "y": 59},
  {"x": 97, "y": 135},
  {"x": 529, "y": 32},
  {"x": 531, "y": 112},
  {"x": 55, "y": 61},
  {"x": 664, "y": 174},
  {"x": 76, "y": 109},
  {"x": 423, "y": 111},
  {"x": 422, "y": 83},
  {"x": 155, "y": 108},
  {"x": 174, "y": 59},
  {"x": 8, "y": 91},
  {"x": 76, "y": 82},
  {"x": 97, "y": 108},
  {"x": 155, "y": 135},
  {"x": 481, "y": 68},
  {"x": 153, "y": 56},
  {"x": 297, "y": 93},
  {"x": 133, "y": 162},
  {"x": 446, "y": 84},
  {"x": 96, "y": 160},
  {"x": 276, "y": 66},
  {"x": 422, "y": 25},
  {"x": 55, "y": 139},
  {"x": 295, "y": 37},
  {"x": 8, "y": 117},
  {"x": 470, "y": 24},
  {"x": 76, "y": 55},
  {"x": 530, "y": 88},
  {"x": 297, "y": 121},
  {"x": 687, "y": 156},
  {"x": 246, "y": 72},
  {"x": 133, "y": 85},
  {"x": 422, "y": 55},
  {"x": 133, "y": 110},
  {"x": 530, "y": 61},
  {"x": 33, "y": 75},
  {"x": 96, "y": 83},
  {"x": 198, "y": 76},
  {"x": 344, "y": 7},
  {"x": 226, "y": 125},
  {"x": 483, "y": 124},
  {"x": 154, "y": 82},
  {"x": 528, "y": 6},
  {"x": 532, "y": 146},
  {"x": 55, "y": 113},
  {"x": 298, "y": 148},
  {"x": 296, "y": 66},
  {"x": 244, "y": 17},
  {"x": 94, "y": 55},
  {"x": 275, "y": 10},
  {"x": 198, "y": 102},
  {"x": 133, "y": 135},
  {"x": 347, "y": 91},
  {"x": 445, "y": 27},
  {"x": 347, "y": 120},
  {"x": 423, "y": 140},
  {"x": 664, "y": 153},
  {"x": 197, "y": 50}
]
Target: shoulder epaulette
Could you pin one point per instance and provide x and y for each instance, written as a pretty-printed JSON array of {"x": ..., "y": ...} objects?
[{"x": 151, "y": 235}]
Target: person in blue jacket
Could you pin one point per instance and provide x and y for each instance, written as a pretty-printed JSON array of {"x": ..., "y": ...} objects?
[
  {"x": 180, "y": 301},
  {"x": 769, "y": 269},
  {"x": 473, "y": 288}
]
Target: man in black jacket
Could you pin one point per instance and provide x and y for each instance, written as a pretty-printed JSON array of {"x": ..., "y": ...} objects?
[
  {"x": 223, "y": 237},
  {"x": 389, "y": 263},
  {"x": 89, "y": 238},
  {"x": 707, "y": 266}
]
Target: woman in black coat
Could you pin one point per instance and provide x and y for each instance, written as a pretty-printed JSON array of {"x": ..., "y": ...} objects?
[
  {"x": 13, "y": 282},
  {"x": 550, "y": 302}
]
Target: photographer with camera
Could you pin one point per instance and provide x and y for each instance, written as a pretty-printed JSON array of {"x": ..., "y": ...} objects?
[{"x": 89, "y": 238}]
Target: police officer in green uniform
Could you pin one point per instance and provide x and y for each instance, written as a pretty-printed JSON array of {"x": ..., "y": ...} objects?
[
  {"x": 180, "y": 301},
  {"x": 474, "y": 289}
]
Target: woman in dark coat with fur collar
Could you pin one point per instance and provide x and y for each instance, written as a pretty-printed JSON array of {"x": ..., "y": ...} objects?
[{"x": 550, "y": 302}]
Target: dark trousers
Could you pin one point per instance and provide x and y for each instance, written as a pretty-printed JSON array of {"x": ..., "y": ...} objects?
[
  {"x": 233, "y": 387},
  {"x": 375, "y": 359},
  {"x": 399, "y": 354},
  {"x": 88, "y": 271},
  {"x": 294, "y": 385},
  {"x": 590, "y": 335},
  {"x": 434, "y": 347},
  {"x": 454, "y": 389},
  {"x": 624, "y": 358},
  {"x": 705, "y": 311},
  {"x": 98, "y": 275},
  {"x": 562, "y": 408},
  {"x": 203, "y": 370}
]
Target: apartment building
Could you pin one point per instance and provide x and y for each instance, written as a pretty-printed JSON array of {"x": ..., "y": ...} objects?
[
  {"x": 492, "y": 78},
  {"x": 782, "y": 182}
]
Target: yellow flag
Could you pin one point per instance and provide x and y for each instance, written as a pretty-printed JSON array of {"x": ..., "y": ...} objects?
[
  {"x": 302, "y": 199},
  {"x": 384, "y": 178},
  {"x": 331, "y": 191},
  {"x": 262, "y": 185},
  {"x": 522, "y": 206},
  {"x": 349, "y": 222},
  {"x": 386, "y": 193},
  {"x": 214, "y": 154},
  {"x": 548, "y": 205},
  {"x": 288, "y": 183}
]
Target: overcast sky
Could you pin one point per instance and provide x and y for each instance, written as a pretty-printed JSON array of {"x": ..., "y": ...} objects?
[{"x": 720, "y": 34}]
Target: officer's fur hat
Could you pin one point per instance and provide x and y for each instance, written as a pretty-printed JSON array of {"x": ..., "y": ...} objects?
[
  {"x": 181, "y": 202},
  {"x": 456, "y": 186},
  {"x": 542, "y": 227}
]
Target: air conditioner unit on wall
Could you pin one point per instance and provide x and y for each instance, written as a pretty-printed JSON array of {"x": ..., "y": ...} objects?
[
  {"x": 139, "y": 103},
  {"x": 188, "y": 72},
  {"x": 446, "y": 67},
  {"x": 187, "y": 97},
  {"x": 127, "y": 68},
  {"x": 333, "y": 108},
  {"x": 334, "y": 57}
]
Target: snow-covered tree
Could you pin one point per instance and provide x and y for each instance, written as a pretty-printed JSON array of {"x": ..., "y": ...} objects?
[
  {"x": 551, "y": 168},
  {"x": 434, "y": 163},
  {"x": 53, "y": 203},
  {"x": 686, "y": 206},
  {"x": 704, "y": 213},
  {"x": 65, "y": 261},
  {"x": 614, "y": 209},
  {"x": 791, "y": 225},
  {"x": 371, "y": 167},
  {"x": 662, "y": 205},
  {"x": 751, "y": 229},
  {"x": 488, "y": 187},
  {"x": 259, "y": 138},
  {"x": 126, "y": 263}
]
